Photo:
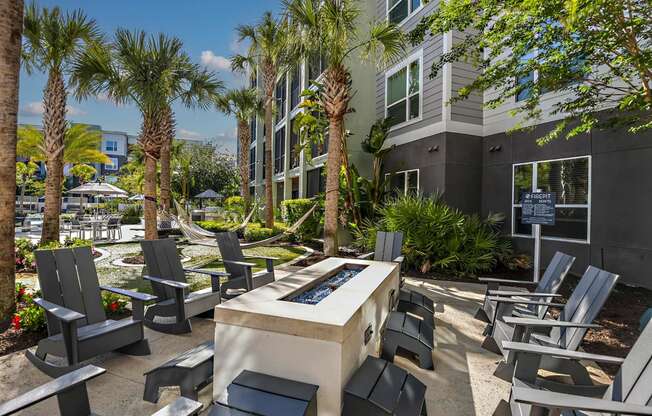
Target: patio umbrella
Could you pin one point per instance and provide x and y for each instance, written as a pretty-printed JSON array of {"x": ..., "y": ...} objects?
[
  {"x": 207, "y": 194},
  {"x": 98, "y": 188},
  {"x": 139, "y": 197}
]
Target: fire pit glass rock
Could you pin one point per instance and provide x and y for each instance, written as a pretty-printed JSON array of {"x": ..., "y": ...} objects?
[{"x": 318, "y": 293}]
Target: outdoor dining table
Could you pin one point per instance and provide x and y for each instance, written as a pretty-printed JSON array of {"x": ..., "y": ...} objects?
[{"x": 96, "y": 227}]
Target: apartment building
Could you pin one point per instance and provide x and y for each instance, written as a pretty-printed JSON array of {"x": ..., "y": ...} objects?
[
  {"x": 115, "y": 145},
  {"x": 465, "y": 153}
]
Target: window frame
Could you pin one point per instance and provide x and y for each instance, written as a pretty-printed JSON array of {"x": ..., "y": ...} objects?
[
  {"x": 586, "y": 206},
  {"x": 405, "y": 180},
  {"x": 114, "y": 166},
  {"x": 113, "y": 148},
  {"x": 410, "y": 14},
  {"x": 405, "y": 64}
]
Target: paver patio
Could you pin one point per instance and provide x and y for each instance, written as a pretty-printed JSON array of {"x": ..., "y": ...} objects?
[{"x": 462, "y": 383}]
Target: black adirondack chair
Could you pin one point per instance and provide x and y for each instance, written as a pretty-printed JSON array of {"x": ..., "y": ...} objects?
[
  {"x": 72, "y": 396},
  {"x": 242, "y": 278},
  {"x": 77, "y": 324},
  {"x": 564, "y": 333},
  {"x": 388, "y": 248},
  {"x": 172, "y": 313},
  {"x": 630, "y": 393}
]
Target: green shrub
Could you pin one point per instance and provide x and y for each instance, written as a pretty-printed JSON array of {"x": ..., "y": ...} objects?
[
  {"x": 234, "y": 203},
  {"x": 113, "y": 304},
  {"x": 131, "y": 214},
  {"x": 256, "y": 232},
  {"x": 217, "y": 226},
  {"x": 24, "y": 254},
  {"x": 438, "y": 237},
  {"x": 294, "y": 209},
  {"x": 29, "y": 316}
]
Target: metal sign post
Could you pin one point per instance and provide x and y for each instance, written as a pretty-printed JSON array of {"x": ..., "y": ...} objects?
[{"x": 538, "y": 209}]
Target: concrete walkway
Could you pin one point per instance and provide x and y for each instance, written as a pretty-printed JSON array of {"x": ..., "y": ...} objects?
[{"x": 462, "y": 383}]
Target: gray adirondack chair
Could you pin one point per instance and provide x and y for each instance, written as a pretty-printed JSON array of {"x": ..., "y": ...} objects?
[
  {"x": 388, "y": 248},
  {"x": 565, "y": 333},
  {"x": 630, "y": 393},
  {"x": 545, "y": 290},
  {"x": 77, "y": 325},
  {"x": 72, "y": 396},
  {"x": 176, "y": 305},
  {"x": 242, "y": 279}
]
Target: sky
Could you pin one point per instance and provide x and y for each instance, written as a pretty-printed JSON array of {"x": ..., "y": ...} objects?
[{"x": 207, "y": 29}]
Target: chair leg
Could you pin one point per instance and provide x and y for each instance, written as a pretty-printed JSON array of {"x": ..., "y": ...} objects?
[
  {"x": 151, "y": 393},
  {"x": 188, "y": 389},
  {"x": 74, "y": 401},
  {"x": 137, "y": 348}
]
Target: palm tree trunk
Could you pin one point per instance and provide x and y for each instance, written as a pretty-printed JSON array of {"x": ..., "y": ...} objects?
[
  {"x": 23, "y": 185},
  {"x": 151, "y": 227},
  {"x": 11, "y": 25},
  {"x": 167, "y": 130},
  {"x": 269, "y": 196},
  {"x": 243, "y": 136},
  {"x": 54, "y": 128}
]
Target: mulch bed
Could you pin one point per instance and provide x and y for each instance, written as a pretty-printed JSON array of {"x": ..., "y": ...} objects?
[{"x": 135, "y": 259}]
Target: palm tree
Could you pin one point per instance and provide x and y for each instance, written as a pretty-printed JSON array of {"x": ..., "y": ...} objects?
[
  {"x": 245, "y": 105},
  {"x": 268, "y": 53},
  {"x": 330, "y": 28},
  {"x": 11, "y": 20},
  {"x": 52, "y": 42},
  {"x": 151, "y": 72}
]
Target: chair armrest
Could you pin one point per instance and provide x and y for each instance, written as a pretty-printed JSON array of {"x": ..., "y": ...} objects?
[
  {"x": 51, "y": 388},
  {"x": 506, "y": 293},
  {"x": 207, "y": 272},
  {"x": 180, "y": 407},
  {"x": 171, "y": 283},
  {"x": 61, "y": 313},
  {"x": 399, "y": 259},
  {"x": 262, "y": 257},
  {"x": 560, "y": 352},
  {"x": 238, "y": 263},
  {"x": 507, "y": 282},
  {"x": 554, "y": 400},
  {"x": 546, "y": 323},
  {"x": 513, "y": 301},
  {"x": 366, "y": 256},
  {"x": 145, "y": 297}
]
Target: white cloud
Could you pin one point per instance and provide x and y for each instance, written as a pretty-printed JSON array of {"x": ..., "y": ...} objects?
[
  {"x": 238, "y": 47},
  {"x": 36, "y": 108},
  {"x": 189, "y": 134},
  {"x": 215, "y": 62}
]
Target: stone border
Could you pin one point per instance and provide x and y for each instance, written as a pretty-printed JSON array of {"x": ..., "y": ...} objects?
[
  {"x": 118, "y": 262},
  {"x": 103, "y": 253},
  {"x": 309, "y": 252}
]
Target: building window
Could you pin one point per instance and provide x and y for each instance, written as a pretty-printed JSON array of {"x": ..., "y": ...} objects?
[
  {"x": 525, "y": 93},
  {"x": 281, "y": 98},
  {"x": 253, "y": 129},
  {"x": 294, "y": 146},
  {"x": 316, "y": 182},
  {"x": 319, "y": 148},
  {"x": 264, "y": 160},
  {"x": 316, "y": 66},
  {"x": 403, "y": 91},
  {"x": 113, "y": 165},
  {"x": 252, "y": 164},
  {"x": 111, "y": 146},
  {"x": 399, "y": 10},
  {"x": 570, "y": 179},
  {"x": 279, "y": 150},
  {"x": 295, "y": 88},
  {"x": 404, "y": 182}
]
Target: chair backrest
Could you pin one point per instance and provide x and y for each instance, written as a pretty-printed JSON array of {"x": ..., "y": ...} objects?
[
  {"x": 68, "y": 278},
  {"x": 633, "y": 382},
  {"x": 583, "y": 306},
  {"x": 553, "y": 277},
  {"x": 230, "y": 249},
  {"x": 162, "y": 261},
  {"x": 388, "y": 245}
]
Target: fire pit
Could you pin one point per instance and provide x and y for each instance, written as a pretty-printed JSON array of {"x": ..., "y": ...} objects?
[{"x": 315, "y": 326}]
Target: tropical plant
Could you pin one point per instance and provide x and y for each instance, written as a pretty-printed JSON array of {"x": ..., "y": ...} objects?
[
  {"x": 374, "y": 144},
  {"x": 244, "y": 104},
  {"x": 81, "y": 144},
  {"x": 438, "y": 237},
  {"x": 24, "y": 177},
  {"x": 294, "y": 209},
  {"x": 596, "y": 54},
  {"x": 151, "y": 72},
  {"x": 270, "y": 55},
  {"x": 331, "y": 28},
  {"x": 10, "y": 35},
  {"x": 84, "y": 173},
  {"x": 52, "y": 42}
]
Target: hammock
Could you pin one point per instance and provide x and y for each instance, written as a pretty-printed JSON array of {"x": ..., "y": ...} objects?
[
  {"x": 200, "y": 238},
  {"x": 183, "y": 214}
]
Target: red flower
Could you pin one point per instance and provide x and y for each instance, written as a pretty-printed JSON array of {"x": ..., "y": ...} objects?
[
  {"x": 21, "y": 293},
  {"x": 113, "y": 306},
  {"x": 15, "y": 321}
]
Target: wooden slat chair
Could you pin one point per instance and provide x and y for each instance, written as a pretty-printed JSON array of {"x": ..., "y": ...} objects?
[
  {"x": 388, "y": 248},
  {"x": 630, "y": 392},
  {"x": 545, "y": 290},
  {"x": 72, "y": 396},
  {"x": 78, "y": 328},
  {"x": 176, "y": 305},
  {"x": 242, "y": 279},
  {"x": 564, "y": 333}
]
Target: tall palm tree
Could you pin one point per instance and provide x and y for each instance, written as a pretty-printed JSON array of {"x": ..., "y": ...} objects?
[
  {"x": 244, "y": 104},
  {"x": 52, "y": 42},
  {"x": 11, "y": 22},
  {"x": 331, "y": 28},
  {"x": 270, "y": 55},
  {"x": 165, "y": 178},
  {"x": 151, "y": 72}
]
